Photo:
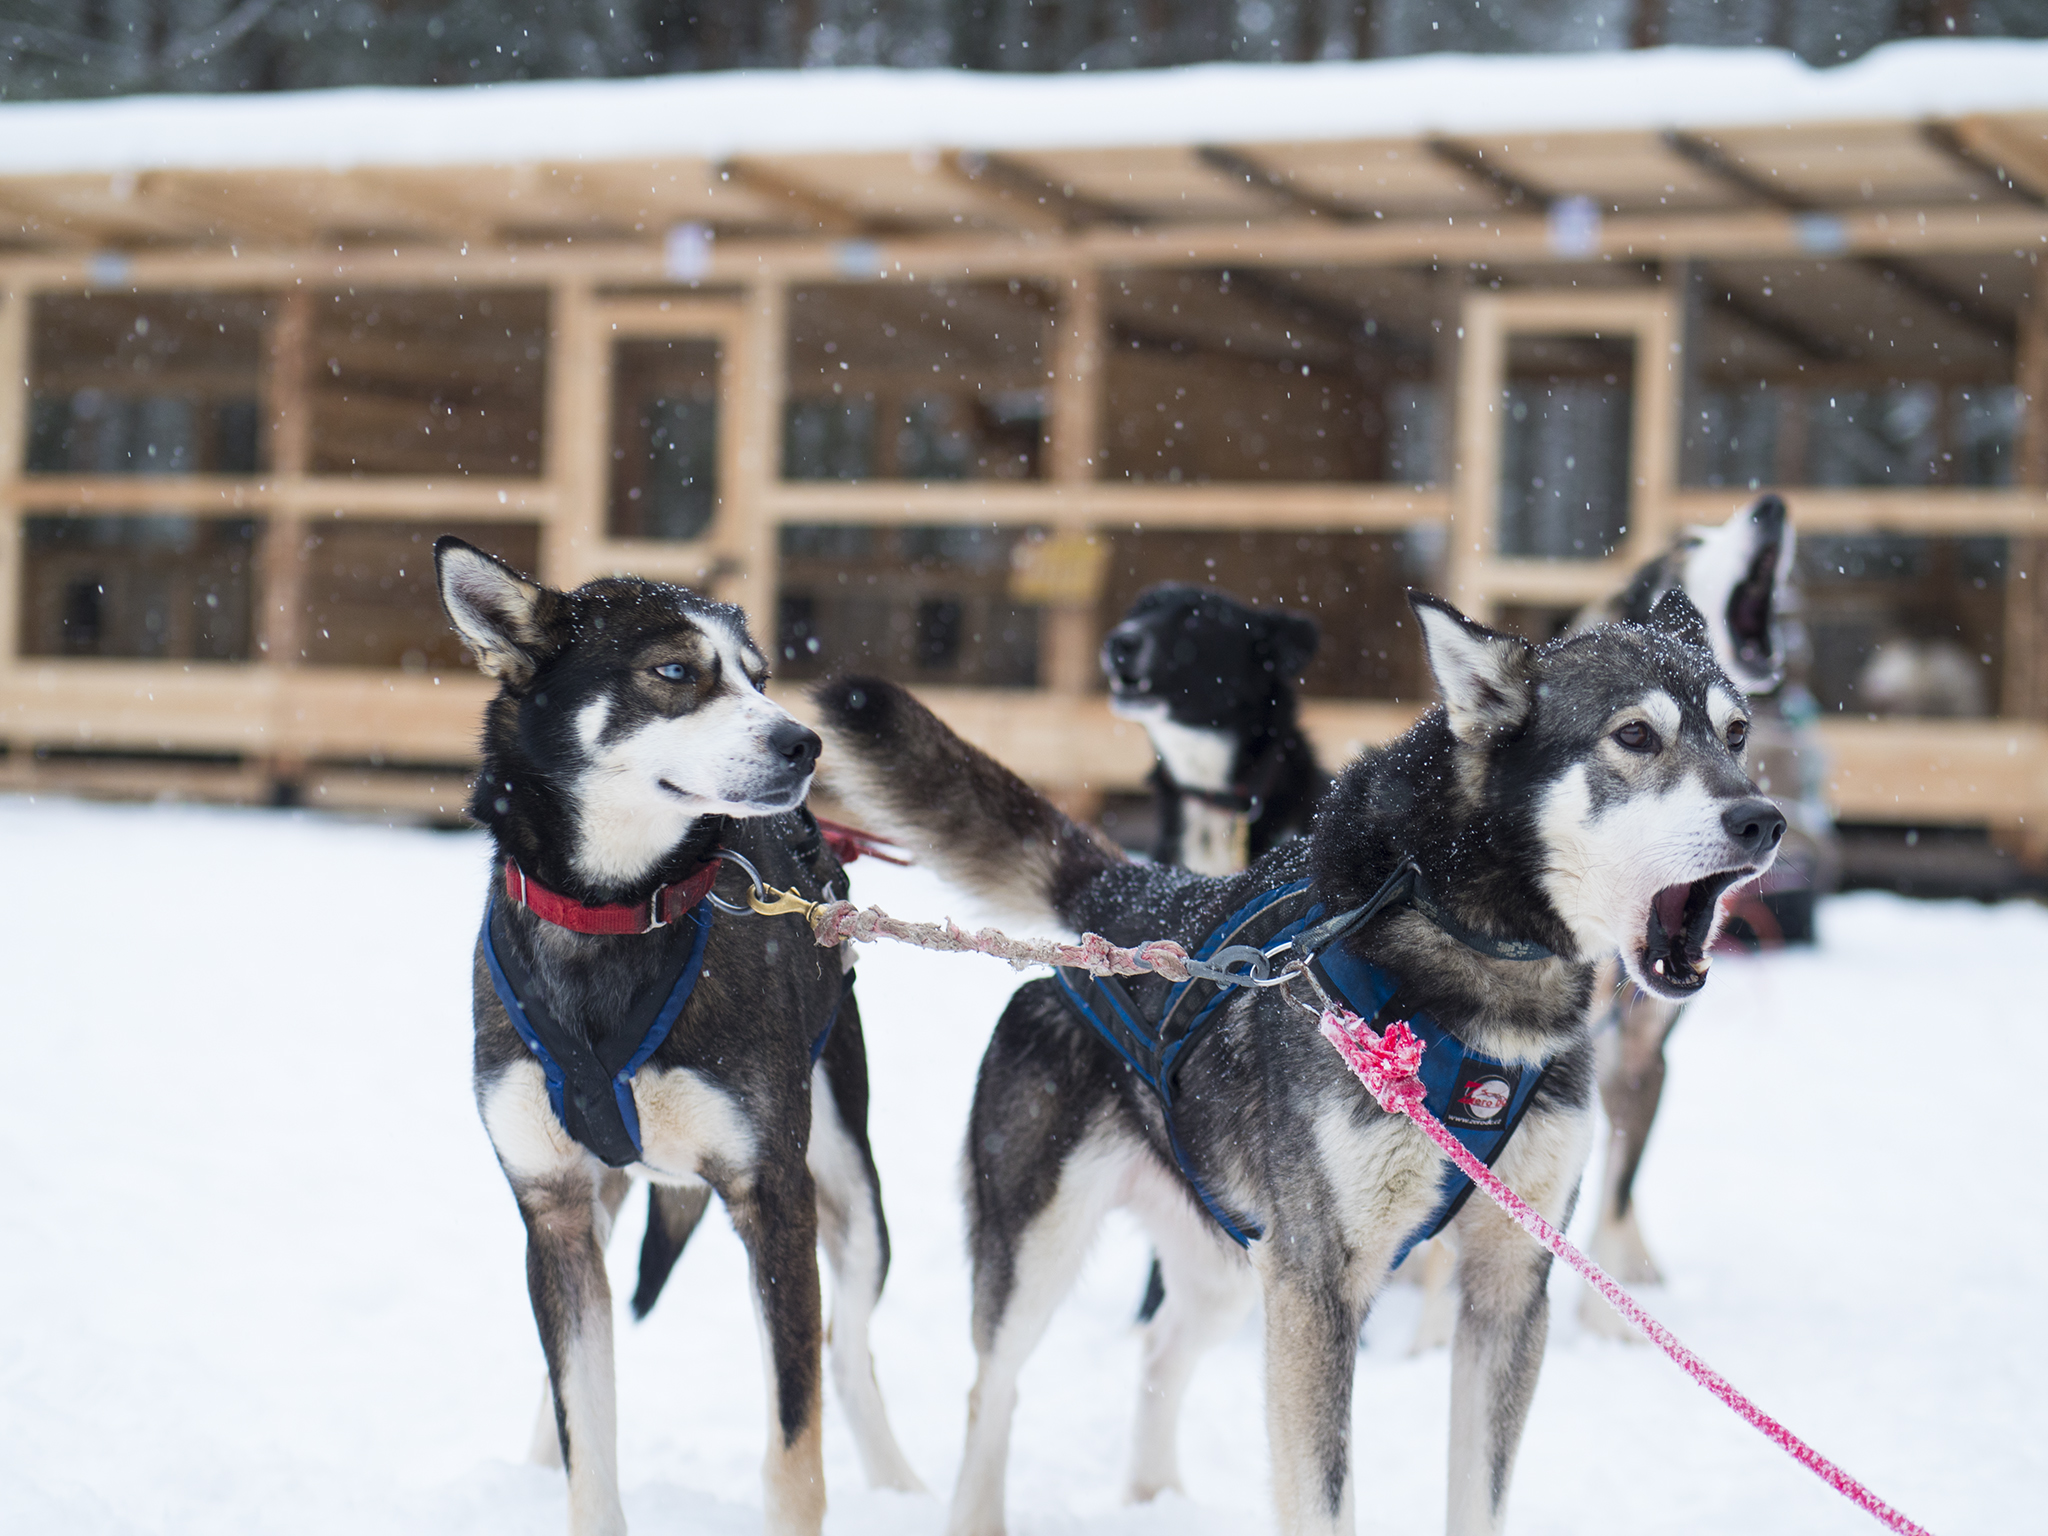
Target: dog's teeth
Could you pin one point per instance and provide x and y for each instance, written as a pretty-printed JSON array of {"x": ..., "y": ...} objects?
[
  {"x": 1703, "y": 962},
  {"x": 1657, "y": 966}
]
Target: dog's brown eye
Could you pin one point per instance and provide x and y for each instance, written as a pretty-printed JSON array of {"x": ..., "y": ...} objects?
[
  {"x": 1738, "y": 733},
  {"x": 1637, "y": 737}
]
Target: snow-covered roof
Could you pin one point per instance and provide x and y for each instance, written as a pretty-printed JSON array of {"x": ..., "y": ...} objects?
[{"x": 713, "y": 116}]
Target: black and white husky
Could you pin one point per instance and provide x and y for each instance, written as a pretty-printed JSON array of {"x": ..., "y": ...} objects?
[
  {"x": 1212, "y": 682},
  {"x": 1736, "y": 575},
  {"x": 628, "y": 743},
  {"x": 1587, "y": 797}
]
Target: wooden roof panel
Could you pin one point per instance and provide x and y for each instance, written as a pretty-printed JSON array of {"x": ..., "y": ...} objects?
[
  {"x": 1841, "y": 165},
  {"x": 1158, "y": 183},
  {"x": 1636, "y": 172},
  {"x": 1376, "y": 175}
]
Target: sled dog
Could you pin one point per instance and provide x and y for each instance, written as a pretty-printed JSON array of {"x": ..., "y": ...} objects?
[
  {"x": 1212, "y": 682},
  {"x": 624, "y": 1029},
  {"x": 1736, "y": 575},
  {"x": 1564, "y": 803}
]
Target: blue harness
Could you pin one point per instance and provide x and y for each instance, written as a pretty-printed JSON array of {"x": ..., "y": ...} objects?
[
  {"x": 1482, "y": 1100},
  {"x": 590, "y": 1086}
]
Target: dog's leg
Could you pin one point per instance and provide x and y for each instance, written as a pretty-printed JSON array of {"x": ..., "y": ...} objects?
[
  {"x": 1208, "y": 1288},
  {"x": 1021, "y": 1273},
  {"x": 566, "y": 1222},
  {"x": 1503, "y": 1317},
  {"x": 1312, "y": 1325},
  {"x": 856, "y": 1241},
  {"x": 775, "y": 1211},
  {"x": 1631, "y": 1061},
  {"x": 546, "y": 1450}
]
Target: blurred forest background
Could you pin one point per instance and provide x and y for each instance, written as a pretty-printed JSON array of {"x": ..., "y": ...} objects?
[{"x": 87, "y": 48}]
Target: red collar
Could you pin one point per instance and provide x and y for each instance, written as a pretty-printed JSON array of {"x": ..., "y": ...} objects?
[{"x": 668, "y": 904}]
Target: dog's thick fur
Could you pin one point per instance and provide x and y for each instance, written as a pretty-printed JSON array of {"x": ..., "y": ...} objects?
[
  {"x": 628, "y": 738},
  {"x": 1212, "y": 682},
  {"x": 1588, "y": 796},
  {"x": 1736, "y": 575}
]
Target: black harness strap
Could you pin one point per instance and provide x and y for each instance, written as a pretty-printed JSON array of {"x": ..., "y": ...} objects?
[{"x": 1481, "y": 1099}]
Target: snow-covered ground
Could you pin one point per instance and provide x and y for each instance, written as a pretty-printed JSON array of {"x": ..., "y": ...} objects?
[{"x": 259, "y": 1273}]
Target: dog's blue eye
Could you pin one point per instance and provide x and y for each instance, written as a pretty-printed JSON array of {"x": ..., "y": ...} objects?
[{"x": 674, "y": 672}]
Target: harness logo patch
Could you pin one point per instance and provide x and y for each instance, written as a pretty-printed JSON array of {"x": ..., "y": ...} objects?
[{"x": 1481, "y": 1095}]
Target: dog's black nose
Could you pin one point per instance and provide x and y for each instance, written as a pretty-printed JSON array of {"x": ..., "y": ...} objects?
[
  {"x": 1119, "y": 651},
  {"x": 1754, "y": 826},
  {"x": 797, "y": 745}
]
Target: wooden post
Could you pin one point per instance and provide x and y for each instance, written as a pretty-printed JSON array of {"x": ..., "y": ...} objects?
[
  {"x": 574, "y": 434},
  {"x": 281, "y": 574},
  {"x": 1474, "y": 441},
  {"x": 1073, "y": 434},
  {"x": 2026, "y": 580},
  {"x": 16, "y": 300},
  {"x": 748, "y": 534}
]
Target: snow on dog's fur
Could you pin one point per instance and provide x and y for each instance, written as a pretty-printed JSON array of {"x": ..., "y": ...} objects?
[{"x": 1515, "y": 798}]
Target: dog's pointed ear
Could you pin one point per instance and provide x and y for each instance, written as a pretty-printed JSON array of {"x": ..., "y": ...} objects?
[
  {"x": 1483, "y": 675},
  {"x": 1676, "y": 615},
  {"x": 499, "y": 613},
  {"x": 1290, "y": 639}
]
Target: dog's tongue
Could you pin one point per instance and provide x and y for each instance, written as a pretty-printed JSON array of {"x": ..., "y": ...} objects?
[{"x": 1670, "y": 908}]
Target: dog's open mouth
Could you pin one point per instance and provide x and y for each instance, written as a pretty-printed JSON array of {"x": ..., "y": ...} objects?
[
  {"x": 1680, "y": 924},
  {"x": 1749, "y": 610}
]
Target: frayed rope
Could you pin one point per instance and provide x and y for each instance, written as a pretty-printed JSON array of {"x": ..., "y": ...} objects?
[
  {"x": 1389, "y": 1065},
  {"x": 834, "y": 922}
]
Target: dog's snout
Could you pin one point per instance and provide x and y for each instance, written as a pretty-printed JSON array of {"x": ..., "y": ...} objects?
[
  {"x": 1754, "y": 826},
  {"x": 797, "y": 745},
  {"x": 1120, "y": 650}
]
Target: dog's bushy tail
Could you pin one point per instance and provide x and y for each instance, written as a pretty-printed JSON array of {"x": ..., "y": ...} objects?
[{"x": 957, "y": 809}]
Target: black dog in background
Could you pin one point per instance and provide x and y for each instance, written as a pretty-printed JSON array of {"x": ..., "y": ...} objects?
[{"x": 1212, "y": 682}]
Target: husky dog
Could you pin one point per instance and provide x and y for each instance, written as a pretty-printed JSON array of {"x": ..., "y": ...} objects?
[
  {"x": 1211, "y": 680},
  {"x": 1570, "y": 802},
  {"x": 628, "y": 743},
  {"x": 1736, "y": 575}
]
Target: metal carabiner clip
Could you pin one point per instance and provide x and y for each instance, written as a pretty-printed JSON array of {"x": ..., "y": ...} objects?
[{"x": 759, "y": 892}]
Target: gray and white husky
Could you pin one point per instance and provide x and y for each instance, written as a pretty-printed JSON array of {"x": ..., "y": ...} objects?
[
  {"x": 628, "y": 743},
  {"x": 1587, "y": 796}
]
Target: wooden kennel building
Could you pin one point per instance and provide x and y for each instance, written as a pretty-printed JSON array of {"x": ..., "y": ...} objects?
[{"x": 931, "y": 374}]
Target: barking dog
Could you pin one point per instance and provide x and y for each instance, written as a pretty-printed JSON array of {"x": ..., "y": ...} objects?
[
  {"x": 1736, "y": 576},
  {"x": 622, "y": 1030},
  {"x": 1562, "y": 805},
  {"x": 1211, "y": 681}
]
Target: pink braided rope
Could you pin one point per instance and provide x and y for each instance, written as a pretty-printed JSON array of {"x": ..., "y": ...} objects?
[
  {"x": 1387, "y": 1065},
  {"x": 834, "y": 922}
]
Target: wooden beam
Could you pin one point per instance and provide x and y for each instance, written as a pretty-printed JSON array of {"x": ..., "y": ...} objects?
[
  {"x": 577, "y": 432},
  {"x": 2026, "y": 565},
  {"x": 746, "y": 533},
  {"x": 1074, "y": 210},
  {"x": 1966, "y": 152},
  {"x": 280, "y": 605},
  {"x": 1110, "y": 504},
  {"x": 1513, "y": 193},
  {"x": 16, "y": 305},
  {"x": 1952, "y": 303},
  {"x": 1240, "y": 165},
  {"x": 806, "y": 202},
  {"x": 1492, "y": 238},
  {"x": 998, "y": 195}
]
